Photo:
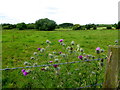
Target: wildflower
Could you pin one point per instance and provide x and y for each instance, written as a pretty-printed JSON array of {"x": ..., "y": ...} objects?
[
  {"x": 68, "y": 47},
  {"x": 56, "y": 60},
  {"x": 54, "y": 52},
  {"x": 26, "y": 63},
  {"x": 72, "y": 43},
  {"x": 47, "y": 41},
  {"x": 80, "y": 57},
  {"x": 50, "y": 61},
  {"x": 55, "y": 66},
  {"x": 60, "y": 52},
  {"x": 93, "y": 57},
  {"x": 81, "y": 50},
  {"x": 23, "y": 70},
  {"x": 102, "y": 50},
  {"x": 39, "y": 49},
  {"x": 47, "y": 68},
  {"x": 42, "y": 68},
  {"x": 98, "y": 50},
  {"x": 42, "y": 50},
  {"x": 25, "y": 73},
  {"x": 63, "y": 44},
  {"x": 61, "y": 40},
  {"x": 84, "y": 58},
  {"x": 32, "y": 58},
  {"x": 116, "y": 41},
  {"x": 35, "y": 53}
]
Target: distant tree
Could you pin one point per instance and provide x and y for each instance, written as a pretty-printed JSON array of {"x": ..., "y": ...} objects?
[
  {"x": 88, "y": 26},
  {"x": 21, "y": 26},
  {"x": 45, "y": 24},
  {"x": 8, "y": 26},
  {"x": 76, "y": 27},
  {"x": 66, "y": 25},
  {"x": 118, "y": 25},
  {"x": 30, "y": 26},
  {"x": 109, "y": 27},
  {"x": 94, "y": 27}
]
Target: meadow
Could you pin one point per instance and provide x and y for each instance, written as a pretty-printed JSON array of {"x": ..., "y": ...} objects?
[{"x": 18, "y": 47}]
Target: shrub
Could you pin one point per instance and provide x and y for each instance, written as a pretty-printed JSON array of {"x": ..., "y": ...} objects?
[
  {"x": 94, "y": 27},
  {"x": 109, "y": 27},
  {"x": 66, "y": 25},
  {"x": 76, "y": 27},
  {"x": 31, "y": 26},
  {"x": 21, "y": 26},
  {"x": 8, "y": 26},
  {"x": 45, "y": 24}
]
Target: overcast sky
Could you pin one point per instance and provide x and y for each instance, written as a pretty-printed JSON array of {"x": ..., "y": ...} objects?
[{"x": 61, "y": 11}]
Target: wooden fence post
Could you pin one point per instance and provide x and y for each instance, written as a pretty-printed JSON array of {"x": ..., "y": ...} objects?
[{"x": 112, "y": 73}]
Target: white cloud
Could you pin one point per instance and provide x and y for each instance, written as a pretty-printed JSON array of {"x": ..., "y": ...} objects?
[{"x": 74, "y": 11}]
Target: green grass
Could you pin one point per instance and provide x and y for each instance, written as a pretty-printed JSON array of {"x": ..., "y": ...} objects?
[{"x": 19, "y": 46}]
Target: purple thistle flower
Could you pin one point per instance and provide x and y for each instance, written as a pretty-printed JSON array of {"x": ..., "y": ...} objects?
[
  {"x": 51, "y": 61},
  {"x": 98, "y": 48},
  {"x": 42, "y": 68},
  {"x": 55, "y": 66},
  {"x": 39, "y": 49},
  {"x": 23, "y": 70},
  {"x": 25, "y": 73},
  {"x": 80, "y": 57},
  {"x": 60, "y": 52},
  {"x": 60, "y": 40}
]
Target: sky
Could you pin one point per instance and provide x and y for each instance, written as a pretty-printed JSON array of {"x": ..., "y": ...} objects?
[{"x": 61, "y": 11}]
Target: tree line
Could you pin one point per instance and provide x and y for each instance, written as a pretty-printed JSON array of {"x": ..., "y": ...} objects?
[{"x": 46, "y": 24}]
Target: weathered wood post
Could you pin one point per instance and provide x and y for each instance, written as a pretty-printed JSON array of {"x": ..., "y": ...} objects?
[{"x": 112, "y": 73}]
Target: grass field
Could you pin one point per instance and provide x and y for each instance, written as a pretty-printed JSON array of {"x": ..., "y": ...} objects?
[{"x": 19, "y": 46}]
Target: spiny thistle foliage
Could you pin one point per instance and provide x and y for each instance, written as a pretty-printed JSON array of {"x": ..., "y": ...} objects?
[
  {"x": 71, "y": 51},
  {"x": 65, "y": 53}
]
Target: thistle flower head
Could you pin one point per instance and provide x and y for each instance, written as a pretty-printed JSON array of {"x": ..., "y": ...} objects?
[
  {"x": 56, "y": 60},
  {"x": 23, "y": 70},
  {"x": 50, "y": 61},
  {"x": 26, "y": 63},
  {"x": 72, "y": 43},
  {"x": 61, "y": 40},
  {"x": 42, "y": 68},
  {"x": 60, "y": 52},
  {"x": 42, "y": 50},
  {"x": 35, "y": 53},
  {"x": 47, "y": 41},
  {"x": 80, "y": 57},
  {"x": 81, "y": 50},
  {"x": 47, "y": 68},
  {"x": 25, "y": 73},
  {"x": 55, "y": 65},
  {"x": 98, "y": 48},
  {"x": 32, "y": 58},
  {"x": 39, "y": 49}
]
